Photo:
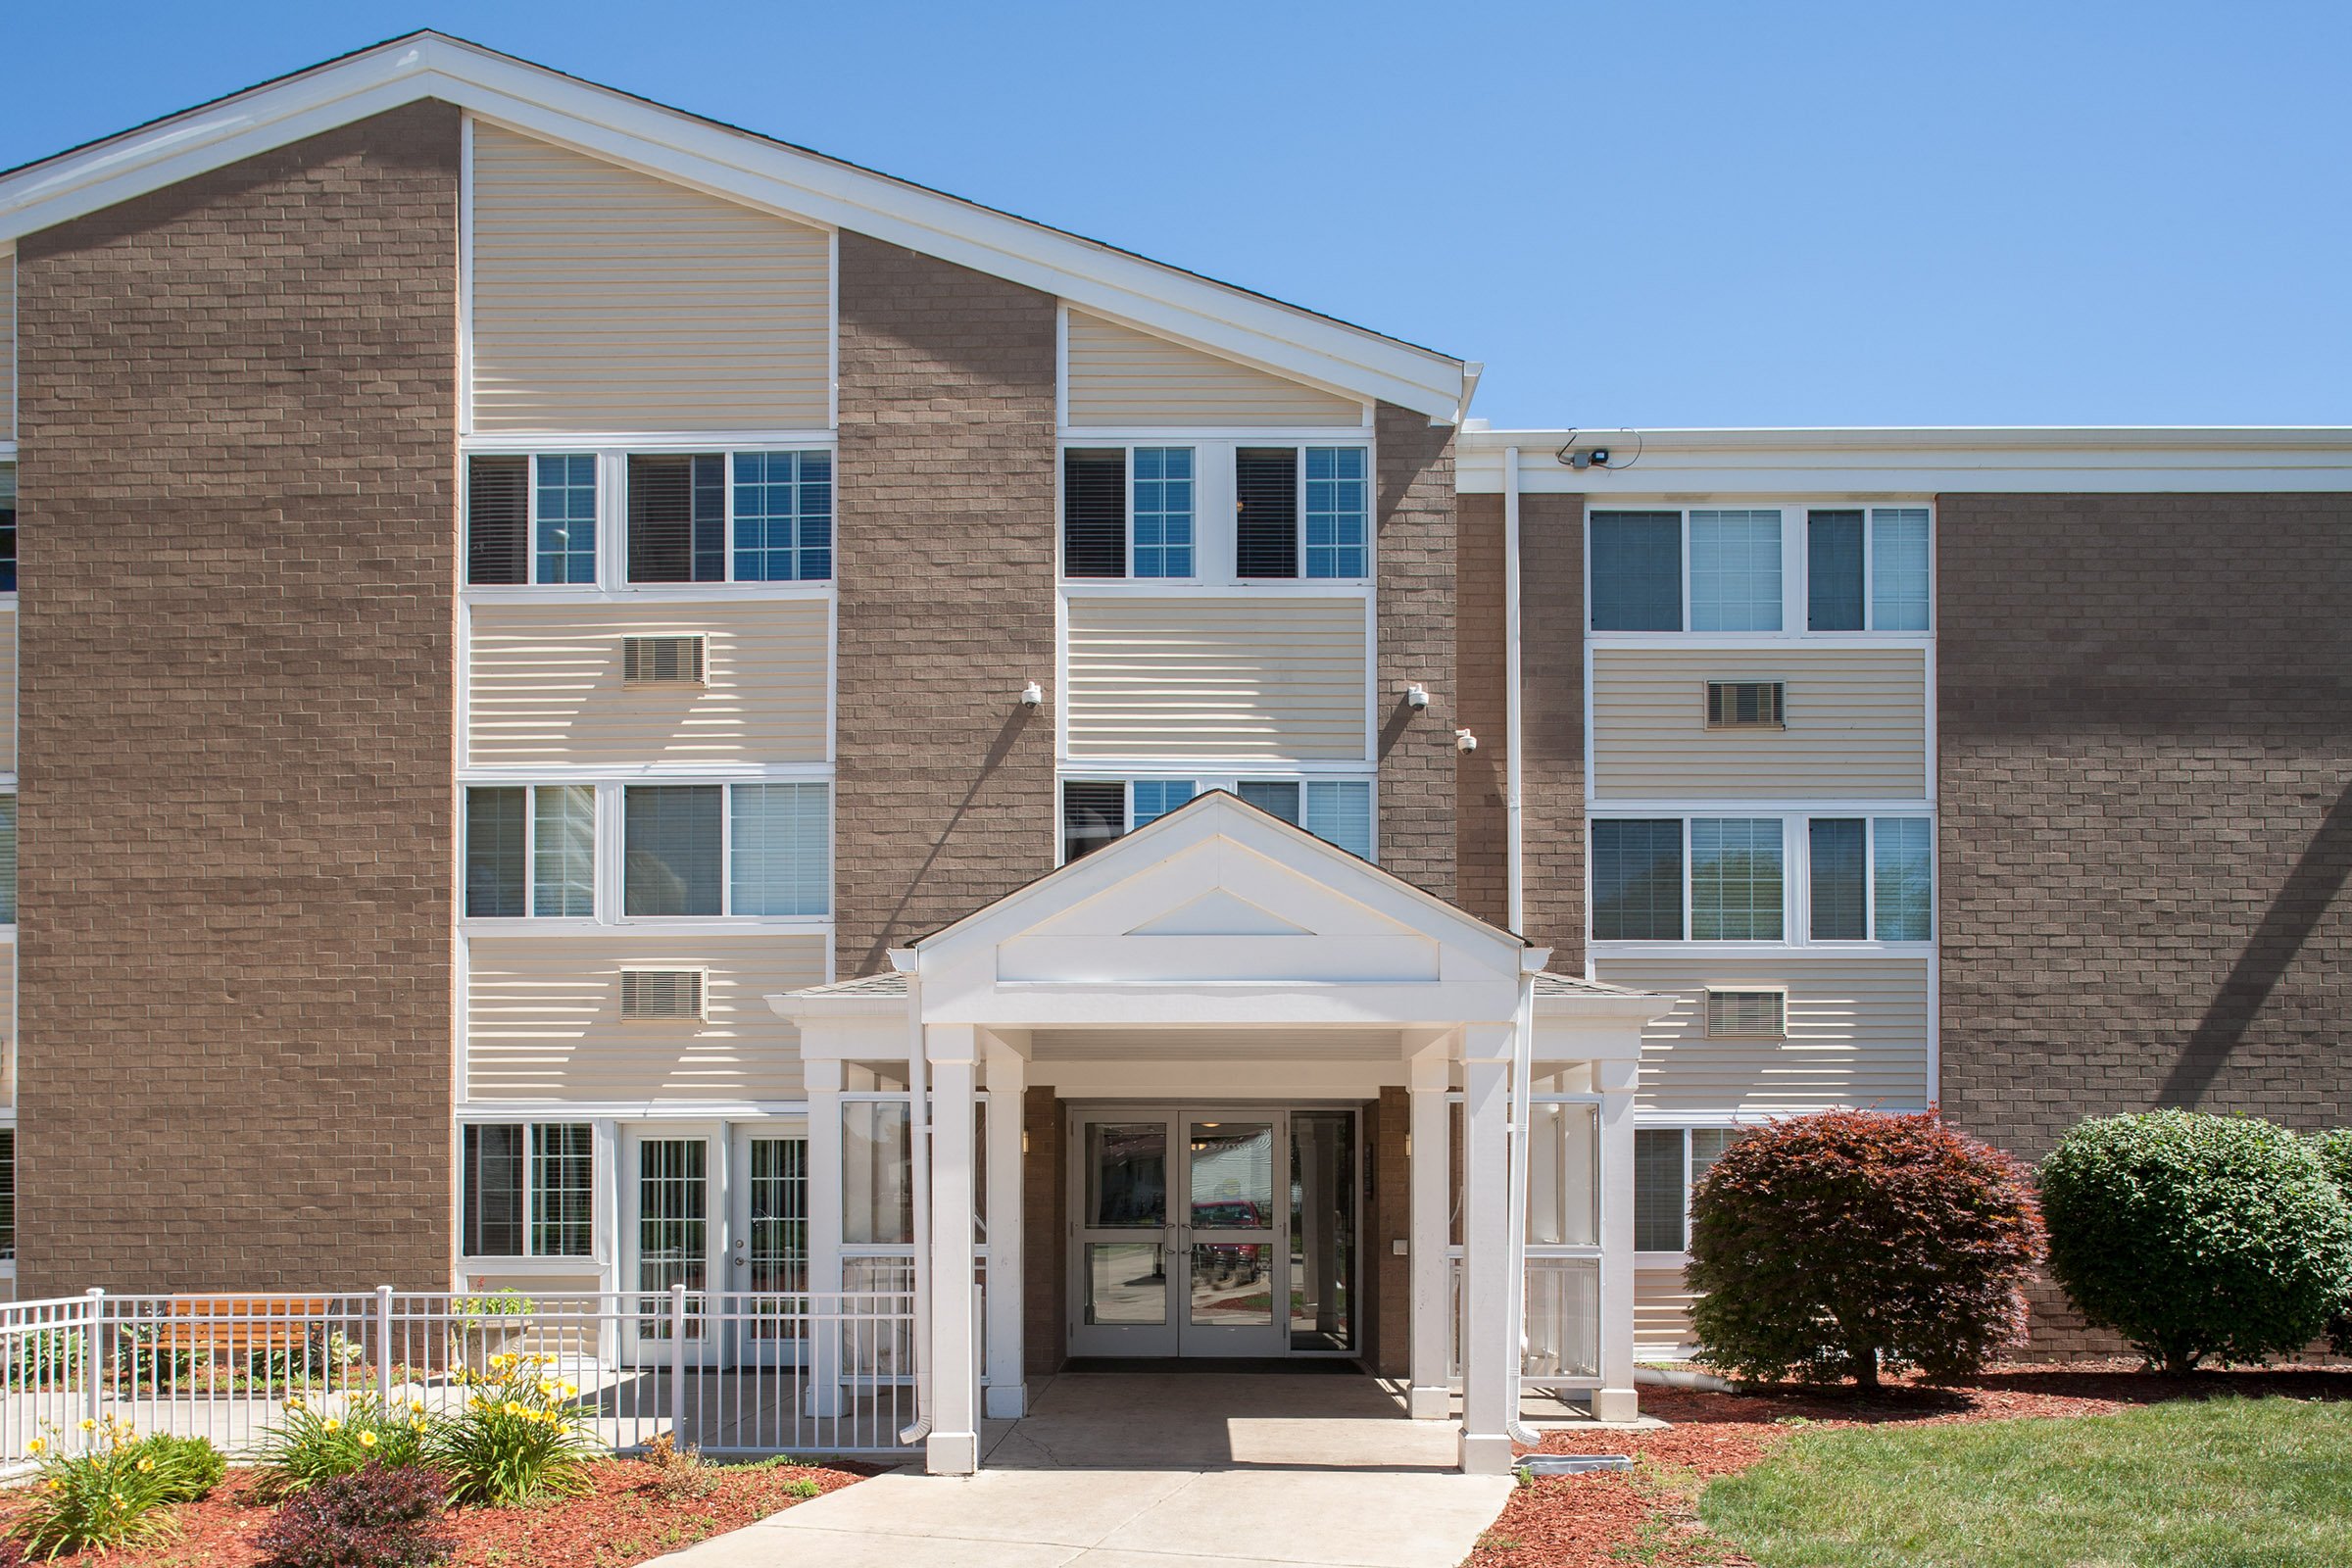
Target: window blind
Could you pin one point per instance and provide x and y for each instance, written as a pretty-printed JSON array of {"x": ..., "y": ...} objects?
[
  {"x": 1094, "y": 811},
  {"x": 493, "y": 1220},
  {"x": 1265, "y": 529},
  {"x": 1637, "y": 571},
  {"x": 1904, "y": 891},
  {"x": 781, "y": 849},
  {"x": 671, "y": 833},
  {"x": 1280, "y": 798},
  {"x": 1638, "y": 880},
  {"x": 1660, "y": 1196},
  {"x": 1736, "y": 879},
  {"x": 1834, "y": 570},
  {"x": 498, "y": 520},
  {"x": 563, "y": 851},
  {"x": 1093, "y": 513},
  {"x": 495, "y": 852},
  {"x": 1840, "y": 911},
  {"x": 1736, "y": 571},
  {"x": 1898, "y": 568},
  {"x": 1340, "y": 812},
  {"x": 677, "y": 518}
]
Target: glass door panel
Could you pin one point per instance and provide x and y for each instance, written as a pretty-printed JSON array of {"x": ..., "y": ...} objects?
[
  {"x": 769, "y": 1248},
  {"x": 1323, "y": 1230},
  {"x": 1233, "y": 1231},
  {"x": 669, "y": 1233},
  {"x": 1121, "y": 1279}
]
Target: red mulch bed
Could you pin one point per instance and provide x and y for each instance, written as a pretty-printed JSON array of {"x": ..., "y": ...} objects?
[
  {"x": 1608, "y": 1520},
  {"x": 623, "y": 1521}
]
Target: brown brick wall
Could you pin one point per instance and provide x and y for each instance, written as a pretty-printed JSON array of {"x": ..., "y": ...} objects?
[
  {"x": 945, "y": 558},
  {"x": 1551, "y": 722},
  {"x": 238, "y": 565},
  {"x": 1045, "y": 1235},
  {"x": 2145, "y": 705},
  {"x": 1388, "y": 1318},
  {"x": 1414, "y": 522},
  {"x": 1480, "y": 675}
]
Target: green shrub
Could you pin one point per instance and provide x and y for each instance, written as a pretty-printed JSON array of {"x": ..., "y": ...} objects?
[
  {"x": 375, "y": 1517},
  {"x": 317, "y": 1444},
  {"x": 1852, "y": 1241},
  {"x": 2197, "y": 1236},
  {"x": 189, "y": 1468},
  {"x": 519, "y": 1439},
  {"x": 2335, "y": 1152},
  {"x": 105, "y": 1491},
  {"x": 43, "y": 1359},
  {"x": 140, "y": 1360}
]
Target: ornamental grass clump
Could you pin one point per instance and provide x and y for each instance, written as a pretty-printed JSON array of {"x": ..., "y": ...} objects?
[
  {"x": 107, "y": 1489},
  {"x": 1853, "y": 1243},
  {"x": 517, "y": 1440},
  {"x": 375, "y": 1517},
  {"x": 318, "y": 1441},
  {"x": 2197, "y": 1237}
]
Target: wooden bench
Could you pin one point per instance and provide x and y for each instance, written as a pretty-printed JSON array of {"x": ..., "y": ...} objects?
[{"x": 233, "y": 1325}]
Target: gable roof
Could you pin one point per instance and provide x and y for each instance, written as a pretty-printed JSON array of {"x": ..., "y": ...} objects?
[{"x": 741, "y": 165}]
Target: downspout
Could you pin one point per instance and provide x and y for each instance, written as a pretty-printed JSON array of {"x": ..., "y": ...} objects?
[
  {"x": 919, "y": 1172},
  {"x": 1513, "y": 767},
  {"x": 1523, "y": 1072}
]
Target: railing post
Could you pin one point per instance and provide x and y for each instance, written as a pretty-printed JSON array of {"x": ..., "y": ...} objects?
[
  {"x": 383, "y": 1347},
  {"x": 677, "y": 1367},
  {"x": 93, "y": 1359}
]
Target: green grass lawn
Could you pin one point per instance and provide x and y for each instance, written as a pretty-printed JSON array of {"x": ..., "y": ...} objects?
[{"x": 2224, "y": 1484}]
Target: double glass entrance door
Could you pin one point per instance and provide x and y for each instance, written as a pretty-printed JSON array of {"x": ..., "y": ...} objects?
[{"x": 1215, "y": 1232}]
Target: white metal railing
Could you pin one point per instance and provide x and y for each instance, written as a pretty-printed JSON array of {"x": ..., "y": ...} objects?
[
  {"x": 1561, "y": 1339},
  {"x": 734, "y": 1372}
]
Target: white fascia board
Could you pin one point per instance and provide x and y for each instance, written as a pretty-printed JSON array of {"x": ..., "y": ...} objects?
[
  {"x": 740, "y": 167},
  {"x": 1904, "y": 464}
]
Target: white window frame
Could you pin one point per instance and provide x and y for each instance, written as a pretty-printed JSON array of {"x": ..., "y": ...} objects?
[
  {"x": 591, "y": 1260},
  {"x": 1796, "y": 876},
  {"x": 530, "y": 856},
  {"x": 1203, "y": 781},
  {"x": 726, "y": 851},
  {"x": 1214, "y": 549},
  {"x": 1795, "y": 586},
  {"x": 612, "y": 453}
]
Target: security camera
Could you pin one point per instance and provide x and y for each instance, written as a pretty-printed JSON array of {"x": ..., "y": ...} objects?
[
  {"x": 1464, "y": 741},
  {"x": 1032, "y": 695},
  {"x": 1416, "y": 697}
]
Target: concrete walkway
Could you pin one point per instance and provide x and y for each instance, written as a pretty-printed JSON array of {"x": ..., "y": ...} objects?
[{"x": 1158, "y": 1470}]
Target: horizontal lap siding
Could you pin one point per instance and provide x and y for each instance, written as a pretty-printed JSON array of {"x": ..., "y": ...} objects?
[
  {"x": 543, "y": 1019},
  {"x": 8, "y": 692},
  {"x": 1857, "y": 1034},
  {"x": 1662, "y": 1311},
  {"x": 8, "y": 348},
  {"x": 605, "y": 299},
  {"x": 1120, "y": 376},
  {"x": 1201, "y": 678},
  {"x": 1856, "y": 724},
  {"x": 546, "y": 687}
]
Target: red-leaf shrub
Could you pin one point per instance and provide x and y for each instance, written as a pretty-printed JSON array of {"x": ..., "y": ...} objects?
[
  {"x": 377, "y": 1517},
  {"x": 1853, "y": 1242}
]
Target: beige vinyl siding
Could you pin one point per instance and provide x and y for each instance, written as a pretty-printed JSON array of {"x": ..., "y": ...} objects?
[
  {"x": 1661, "y": 1312},
  {"x": 543, "y": 1019},
  {"x": 1858, "y": 724},
  {"x": 1202, "y": 677},
  {"x": 605, "y": 299},
  {"x": 1857, "y": 1033},
  {"x": 8, "y": 347},
  {"x": 8, "y": 1022},
  {"x": 544, "y": 685},
  {"x": 1121, "y": 376}
]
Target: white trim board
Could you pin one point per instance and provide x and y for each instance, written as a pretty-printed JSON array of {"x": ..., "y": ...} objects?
[{"x": 742, "y": 167}]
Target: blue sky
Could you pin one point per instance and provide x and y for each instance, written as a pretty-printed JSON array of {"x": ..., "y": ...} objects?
[{"x": 1635, "y": 214}]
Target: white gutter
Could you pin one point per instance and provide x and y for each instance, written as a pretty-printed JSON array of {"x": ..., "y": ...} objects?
[
  {"x": 1523, "y": 1072},
  {"x": 918, "y": 1133},
  {"x": 1513, "y": 765}
]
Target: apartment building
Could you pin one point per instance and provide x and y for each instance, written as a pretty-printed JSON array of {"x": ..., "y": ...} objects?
[{"x": 609, "y": 703}]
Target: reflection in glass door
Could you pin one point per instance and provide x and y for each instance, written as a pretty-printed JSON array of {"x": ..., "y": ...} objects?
[
  {"x": 1123, "y": 1239},
  {"x": 1234, "y": 1272},
  {"x": 1323, "y": 1249}
]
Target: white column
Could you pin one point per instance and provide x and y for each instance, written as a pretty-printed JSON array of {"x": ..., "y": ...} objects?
[
  {"x": 953, "y": 1448},
  {"x": 824, "y": 1078},
  {"x": 1007, "y": 1390},
  {"x": 1429, "y": 1397},
  {"x": 1489, "y": 1361},
  {"x": 1616, "y": 1399}
]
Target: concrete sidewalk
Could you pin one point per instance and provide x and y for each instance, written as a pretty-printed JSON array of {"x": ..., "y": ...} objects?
[{"x": 1180, "y": 1470}]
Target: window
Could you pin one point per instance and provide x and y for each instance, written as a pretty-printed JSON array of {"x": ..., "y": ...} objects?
[
  {"x": 1336, "y": 507},
  {"x": 1637, "y": 880},
  {"x": 1895, "y": 901},
  {"x": 542, "y": 1204},
  {"x": 1669, "y": 1161},
  {"x": 8, "y": 1194},
  {"x": 1736, "y": 571},
  {"x": 1867, "y": 571},
  {"x": 1746, "y": 703},
  {"x": 8, "y": 859},
  {"x": 1103, "y": 488},
  {"x": 1265, "y": 511},
  {"x": 530, "y": 519},
  {"x": 678, "y": 519},
  {"x": 780, "y": 860},
  {"x": 726, "y": 850},
  {"x": 498, "y": 520},
  {"x": 1637, "y": 570},
  {"x": 542, "y": 840},
  {"x": 783, "y": 516},
  {"x": 1736, "y": 879},
  {"x": 1095, "y": 812},
  {"x": 7, "y": 529}
]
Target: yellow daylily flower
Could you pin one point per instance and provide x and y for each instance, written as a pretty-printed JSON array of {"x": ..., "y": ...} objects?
[
  {"x": 366, "y": 1440},
  {"x": 37, "y": 1446},
  {"x": 416, "y": 1405},
  {"x": 334, "y": 1425},
  {"x": 512, "y": 1409},
  {"x": 89, "y": 1425},
  {"x": 146, "y": 1465}
]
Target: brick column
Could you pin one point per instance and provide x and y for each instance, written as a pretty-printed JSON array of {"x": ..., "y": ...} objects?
[
  {"x": 1552, "y": 606},
  {"x": 1414, "y": 521}
]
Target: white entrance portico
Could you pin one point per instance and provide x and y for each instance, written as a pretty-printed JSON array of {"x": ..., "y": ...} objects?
[{"x": 1197, "y": 1021}]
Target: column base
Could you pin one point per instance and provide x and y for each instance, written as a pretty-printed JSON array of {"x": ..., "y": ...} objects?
[
  {"x": 1488, "y": 1455},
  {"x": 1006, "y": 1401},
  {"x": 1429, "y": 1404},
  {"x": 952, "y": 1454},
  {"x": 1616, "y": 1404}
]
